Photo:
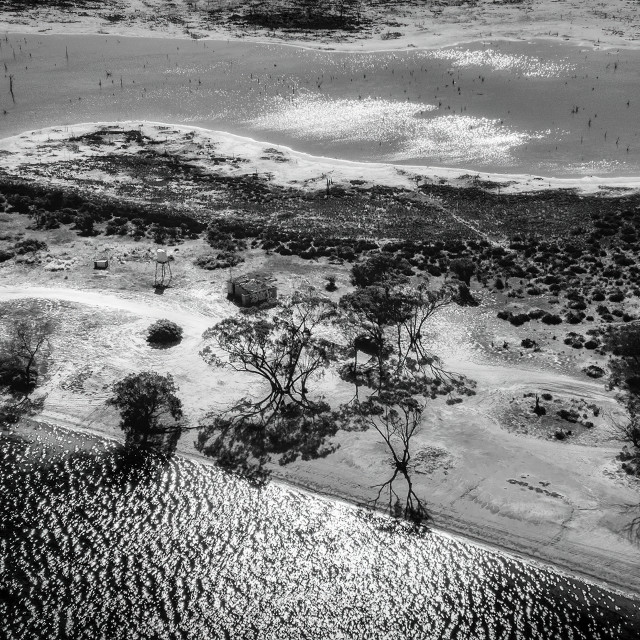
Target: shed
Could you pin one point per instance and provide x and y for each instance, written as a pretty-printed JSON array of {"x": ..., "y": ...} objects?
[{"x": 248, "y": 290}]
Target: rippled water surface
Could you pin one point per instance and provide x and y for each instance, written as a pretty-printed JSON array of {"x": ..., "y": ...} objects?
[
  {"x": 539, "y": 107},
  {"x": 93, "y": 548}
]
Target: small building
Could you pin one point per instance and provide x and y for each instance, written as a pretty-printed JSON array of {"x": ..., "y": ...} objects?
[{"x": 248, "y": 290}]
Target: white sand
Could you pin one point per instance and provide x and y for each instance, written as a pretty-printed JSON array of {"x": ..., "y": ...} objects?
[{"x": 24, "y": 153}]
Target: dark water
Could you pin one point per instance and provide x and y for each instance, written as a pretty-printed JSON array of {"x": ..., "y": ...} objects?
[
  {"x": 527, "y": 107},
  {"x": 93, "y": 548}
]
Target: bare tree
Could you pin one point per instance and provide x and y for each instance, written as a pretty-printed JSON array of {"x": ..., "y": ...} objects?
[
  {"x": 629, "y": 430},
  {"x": 397, "y": 417}
]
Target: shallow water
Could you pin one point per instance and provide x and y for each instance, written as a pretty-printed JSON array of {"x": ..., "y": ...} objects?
[
  {"x": 540, "y": 107},
  {"x": 95, "y": 549}
]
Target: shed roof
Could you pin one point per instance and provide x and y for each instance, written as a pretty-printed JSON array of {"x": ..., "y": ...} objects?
[{"x": 252, "y": 285}]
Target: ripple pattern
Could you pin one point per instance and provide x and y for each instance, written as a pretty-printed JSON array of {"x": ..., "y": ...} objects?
[{"x": 96, "y": 548}]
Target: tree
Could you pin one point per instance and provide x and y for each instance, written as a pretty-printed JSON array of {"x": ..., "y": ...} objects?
[
  {"x": 84, "y": 224},
  {"x": 396, "y": 417},
  {"x": 380, "y": 269},
  {"x": 393, "y": 319},
  {"x": 629, "y": 430},
  {"x": 464, "y": 269},
  {"x": 624, "y": 343},
  {"x": 150, "y": 411},
  {"x": 372, "y": 310},
  {"x": 25, "y": 352},
  {"x": 286, "y": 353}
]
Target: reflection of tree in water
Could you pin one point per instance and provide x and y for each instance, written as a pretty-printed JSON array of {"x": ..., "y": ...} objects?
[{"x": 396, "y": 416}]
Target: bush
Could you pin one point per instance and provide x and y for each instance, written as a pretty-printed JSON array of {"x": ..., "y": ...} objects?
[
  {"x": 30, "y": 245},
  {"x": 331, "y": 283},
  {"x": 536, "y": 314},
  {"x": 551, "y": 318},
  {"x": 164, "y": 332},
  {"x": 594, "y": 372},
  {"x": 519, "y": 319}
]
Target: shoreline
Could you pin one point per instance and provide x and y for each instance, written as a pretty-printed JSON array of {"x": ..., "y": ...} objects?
[
  {"x": 444, "y": 529},
  {"x": 336, "y": 47},
  {"x": 386, "y": 173}
]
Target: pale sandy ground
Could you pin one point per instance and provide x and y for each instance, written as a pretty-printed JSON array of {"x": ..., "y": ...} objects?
[
  {"x": 479, "y": 484},
  {"x": 32, "y": 153},
  {"x": 614, "y": 23}
]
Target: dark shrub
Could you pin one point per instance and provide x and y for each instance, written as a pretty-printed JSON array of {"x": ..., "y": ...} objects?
[
  {"x": 568, "y": 415},
  {"x": 616, "y": 296},
  {"x": 536, "y": 314},
  {"x": 6, "y": 254},
  {"x": 575, "y": 317},
  {"x": 164, "y": 332},
  {"x": 30, "y": 245},
  {"x": 331, "y": 283},
  {"x": 519, "y": 319},
  {"x": 551, "y": 318},
  {"x": 594, "y": 372}
]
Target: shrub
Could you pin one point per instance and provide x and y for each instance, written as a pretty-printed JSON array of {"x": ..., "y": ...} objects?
[
  {"x": 519, "y": 319},
  {"x": 331, "y": 283},
  {"x": 30, "y": 245},
  {"x": 594, "y": 372},
  {"x": 164, "y": 332},
  {"x": 536, "y": 314},
  {"x": 551, "y": 318}
]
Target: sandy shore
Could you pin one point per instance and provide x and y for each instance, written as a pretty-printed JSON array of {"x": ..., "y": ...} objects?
[
  {"x": 405, "y": 25},
  {"x": 293, "y": 169}
]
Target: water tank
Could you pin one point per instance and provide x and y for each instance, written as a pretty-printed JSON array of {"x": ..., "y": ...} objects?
[{"x": 161, "y": 256}]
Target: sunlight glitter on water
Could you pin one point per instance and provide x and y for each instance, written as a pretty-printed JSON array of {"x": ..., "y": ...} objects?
[
  {"x": 96, "y": 548},
  {"x": 407, "y": 127},
  {"x": 528, "y": 66}
]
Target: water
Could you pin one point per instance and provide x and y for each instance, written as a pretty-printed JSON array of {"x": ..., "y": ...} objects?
[
  {"x": 95, "y": 549},
  {"x": 539, "y": 107}
]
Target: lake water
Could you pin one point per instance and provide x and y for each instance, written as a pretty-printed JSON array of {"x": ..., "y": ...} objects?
[
  {"x": 541, "y": 107},
  {"x": 95, "y": 549}
]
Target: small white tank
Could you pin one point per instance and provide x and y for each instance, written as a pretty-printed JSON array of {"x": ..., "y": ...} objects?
[{"x": 161, "y": 256}]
